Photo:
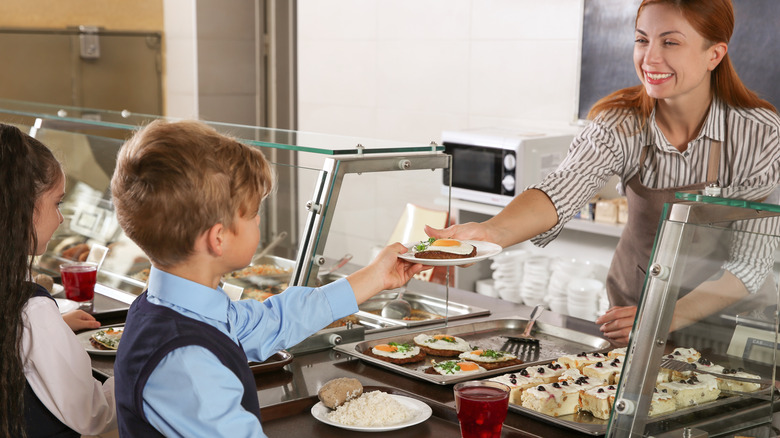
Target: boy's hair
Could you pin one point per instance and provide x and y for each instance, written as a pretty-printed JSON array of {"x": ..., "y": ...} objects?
[{"x": 175, "y": 180}]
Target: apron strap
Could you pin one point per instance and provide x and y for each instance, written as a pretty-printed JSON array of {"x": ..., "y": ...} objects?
[{"x": 714, "y": 162}]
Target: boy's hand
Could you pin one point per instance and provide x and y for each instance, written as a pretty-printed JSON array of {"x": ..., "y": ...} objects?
[
  {"x": 387, "y": 271},
  {"x": 79, "y": 320}
]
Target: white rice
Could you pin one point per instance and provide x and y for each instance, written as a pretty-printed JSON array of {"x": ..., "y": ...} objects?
[{"x": 372, "y": 409}]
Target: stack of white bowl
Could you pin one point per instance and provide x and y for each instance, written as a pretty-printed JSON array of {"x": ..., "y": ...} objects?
[
  {"x": 562, "y": 271},
  {"x": 536, "y": 276},
  {"x": 583, "y": 297},
  {"x": 507, "y": 274}
]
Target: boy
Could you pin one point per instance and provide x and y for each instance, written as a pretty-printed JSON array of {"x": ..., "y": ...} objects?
[{"x": 189, "y": 197}]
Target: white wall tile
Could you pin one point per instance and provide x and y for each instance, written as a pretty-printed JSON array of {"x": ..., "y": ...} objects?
[
  {"x": 336, "y": 19},
  {"x": 519, "y": 78},
  {"x": 526, "y": 19},
  {"x": 425, "y": 76},
  {"x": 414, "y": 20},
  {"x": 341, "y": 74}
]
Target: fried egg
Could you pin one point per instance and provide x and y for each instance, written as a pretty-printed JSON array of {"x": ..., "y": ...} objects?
[
  {"x": 454, "y": 367},
  {"x": 395, "y": 351},
  {"x": 451, "y": 246},
  {"x": 487, "y": 356},
  {"x": 442, "y": 342}
]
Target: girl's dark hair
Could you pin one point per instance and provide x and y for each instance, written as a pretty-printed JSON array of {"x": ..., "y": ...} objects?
[{"x": 27, "y": 170}]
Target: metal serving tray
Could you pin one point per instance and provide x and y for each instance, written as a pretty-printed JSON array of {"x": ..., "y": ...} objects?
[
  {"x": 423, "y": 306},
  {"x": 553, "y": 343}
]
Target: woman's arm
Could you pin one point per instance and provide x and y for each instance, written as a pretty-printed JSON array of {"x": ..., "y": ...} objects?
[{"x": 529, "y": 214}]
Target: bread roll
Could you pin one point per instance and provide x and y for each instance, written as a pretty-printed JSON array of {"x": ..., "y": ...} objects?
[
  {"x": 339, "y": 391},
  {"x": 45, "y": 281}
]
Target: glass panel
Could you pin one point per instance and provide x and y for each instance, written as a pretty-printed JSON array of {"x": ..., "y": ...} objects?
[
  {"x": 710, "y": 301},
  {"x": 89, "y": 218},
  {"x": 273, "y": 138}
]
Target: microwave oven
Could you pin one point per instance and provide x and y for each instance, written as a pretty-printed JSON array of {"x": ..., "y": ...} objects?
[{"x": 492, "y": 165}]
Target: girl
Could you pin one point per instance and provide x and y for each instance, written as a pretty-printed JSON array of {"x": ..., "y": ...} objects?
[{"x": 48, "y": 388}]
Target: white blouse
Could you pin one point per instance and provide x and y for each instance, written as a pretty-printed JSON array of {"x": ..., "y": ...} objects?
[{"x": 59, "y": 371}]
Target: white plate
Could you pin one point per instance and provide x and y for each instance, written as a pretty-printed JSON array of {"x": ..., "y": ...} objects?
[
  {"x": 419, "y": 410},
  {"x": 484, "y": 250},
  {"x": 83, "y": 337},
  {"x": 66, "y": 305},
  {"x": 57, "y": 290}
]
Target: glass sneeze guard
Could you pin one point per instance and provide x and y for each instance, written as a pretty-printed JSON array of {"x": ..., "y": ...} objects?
[
  {"x": 711, "y": 300},
  {"x": 87, "y": 141},
  {"x": 124, "y": 122}
]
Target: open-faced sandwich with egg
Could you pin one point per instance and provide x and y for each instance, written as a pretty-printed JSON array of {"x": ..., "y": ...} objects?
[
  {"x": 441, "y": 345},
  {"x": 491, "y": 359},
  {"x": 454, "y": 368},
  {"x": 396, "y": 353},
  {"x": 107, "y": 339},
  {"x": 443, "y": 249}
]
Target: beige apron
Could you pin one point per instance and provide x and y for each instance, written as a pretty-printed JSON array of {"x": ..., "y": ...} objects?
[{"x": 626, "y": 275}]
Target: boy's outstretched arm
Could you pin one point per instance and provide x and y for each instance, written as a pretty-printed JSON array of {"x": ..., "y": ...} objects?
[{"x": 385, "y": 272}]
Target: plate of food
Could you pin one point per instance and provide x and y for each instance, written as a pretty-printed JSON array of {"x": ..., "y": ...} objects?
[
  {"x": 372, "y": 411},
  {"x": 103, "y": 341},
  {"x": 449, "y": 252}
]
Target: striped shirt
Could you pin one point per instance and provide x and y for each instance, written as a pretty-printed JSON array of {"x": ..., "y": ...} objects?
[{"x": 612, "y": 143}]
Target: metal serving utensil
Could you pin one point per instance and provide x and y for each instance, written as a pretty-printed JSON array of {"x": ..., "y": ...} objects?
[
  {"x": 526, "y": 337},
  {"x": 397, "y": 308}
]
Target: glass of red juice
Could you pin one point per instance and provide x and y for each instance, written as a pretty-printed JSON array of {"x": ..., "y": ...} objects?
[
  {"x": 79, "y": 279},
  {"x": 481, "y": 406}
]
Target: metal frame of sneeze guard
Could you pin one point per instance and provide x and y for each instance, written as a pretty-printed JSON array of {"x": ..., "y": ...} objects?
[
  {"x": 646, "y": 346},
  {"x": 325, "y": 197}
]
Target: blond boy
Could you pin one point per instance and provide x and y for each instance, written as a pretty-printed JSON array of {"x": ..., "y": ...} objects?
[{"x": 189, "y": 198}]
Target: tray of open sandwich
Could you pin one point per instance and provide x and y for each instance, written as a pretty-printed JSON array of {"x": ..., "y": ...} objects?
[{"x": 465, "y": 351}]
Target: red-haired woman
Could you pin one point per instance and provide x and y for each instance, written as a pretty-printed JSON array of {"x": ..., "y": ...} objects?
[{"x": 690, "y": 123}]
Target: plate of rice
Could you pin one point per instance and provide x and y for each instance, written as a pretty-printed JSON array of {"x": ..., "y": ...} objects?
[{"x": 374, "y": 411}]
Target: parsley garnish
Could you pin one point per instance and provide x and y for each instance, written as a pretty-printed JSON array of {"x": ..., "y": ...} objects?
[
  {"x": 424, "y": 244},
  {"x": 492, "y": 353},
  {"x": 449, "y": 367},
  {"x": 401, "y": 348}
]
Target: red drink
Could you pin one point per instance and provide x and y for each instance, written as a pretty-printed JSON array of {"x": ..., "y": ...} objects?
[
  {"x": 79, "y": 279},
  {"x": 481, "y": 408}
]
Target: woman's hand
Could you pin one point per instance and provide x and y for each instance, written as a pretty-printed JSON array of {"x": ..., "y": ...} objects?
[
  {"x": 617, "y": 323},
  {"x": 79, "y": 320},
  {"x": 467, "y": 231}
]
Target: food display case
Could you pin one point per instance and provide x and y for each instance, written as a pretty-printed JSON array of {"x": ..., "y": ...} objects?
[
  {"x": 87, "y": 142},
  {"x": 707, "y": 325}
]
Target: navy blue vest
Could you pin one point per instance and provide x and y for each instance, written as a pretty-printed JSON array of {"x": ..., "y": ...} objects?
[
  {"x": 153, "y": 331},
  {"x": 39, "y": 421}
]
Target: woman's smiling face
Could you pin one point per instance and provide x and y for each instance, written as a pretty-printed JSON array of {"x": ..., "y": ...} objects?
[{"x": 671, "y": 58}]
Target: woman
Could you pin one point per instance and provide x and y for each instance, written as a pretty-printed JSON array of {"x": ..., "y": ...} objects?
[
  {"x": 689, "y": 124},
  {"x": 48, "y": 389}
]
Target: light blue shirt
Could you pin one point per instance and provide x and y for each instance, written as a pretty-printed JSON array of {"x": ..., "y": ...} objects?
[{"x": 190, "y": 393}]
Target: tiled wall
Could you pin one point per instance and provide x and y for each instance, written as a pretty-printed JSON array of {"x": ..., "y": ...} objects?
[{"x": 409, "y": 69}]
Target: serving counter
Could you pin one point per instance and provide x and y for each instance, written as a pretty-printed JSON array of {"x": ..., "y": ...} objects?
[
  {"x": 288, "y": 393},
  {"x": 711, "y": 267}
]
